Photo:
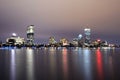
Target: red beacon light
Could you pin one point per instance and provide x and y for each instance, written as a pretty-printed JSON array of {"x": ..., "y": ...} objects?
[{"x": 98, "y": 40}]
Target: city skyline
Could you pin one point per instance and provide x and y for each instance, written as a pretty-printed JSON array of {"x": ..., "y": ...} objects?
[{"x": 61, "y": 18}]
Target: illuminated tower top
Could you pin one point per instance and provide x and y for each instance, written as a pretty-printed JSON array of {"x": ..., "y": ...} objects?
[
  {"x": 87, "y": 31},
  {"x": 80, "y": 36},
  {"x": 30, "y": 29}
]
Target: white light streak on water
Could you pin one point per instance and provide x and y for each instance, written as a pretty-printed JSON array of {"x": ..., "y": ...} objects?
[
  {"x": 30, "y": 66},
  {"x": 13, "y": 64},
  {"x": 87, "y": 64}
]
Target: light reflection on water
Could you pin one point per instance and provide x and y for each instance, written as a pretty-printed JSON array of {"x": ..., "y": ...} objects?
[
  {"x": 52, "y": 63},
  {"x": 87, "y": 64},
  {"x": 13, "y": 69},
  {"x": 61, "y": 64},
  {"x": 65, "y": 63},
  {"x": 99, "y": 64},
  {"x": 30, "y": 63}
]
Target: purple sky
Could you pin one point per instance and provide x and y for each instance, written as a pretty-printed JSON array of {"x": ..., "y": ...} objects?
[{"x": 61, "y": 18}]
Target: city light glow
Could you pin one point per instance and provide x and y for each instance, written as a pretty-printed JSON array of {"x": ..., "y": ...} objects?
[
  {"x": 98, "y": 40},
  {"x": 14, "y": 34}
]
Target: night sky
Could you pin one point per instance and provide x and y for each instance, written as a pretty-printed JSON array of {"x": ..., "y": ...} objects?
[{"x": 61, "y": 18}]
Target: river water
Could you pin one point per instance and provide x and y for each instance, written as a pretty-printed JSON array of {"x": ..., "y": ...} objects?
[{"x": 59, "y": 64}]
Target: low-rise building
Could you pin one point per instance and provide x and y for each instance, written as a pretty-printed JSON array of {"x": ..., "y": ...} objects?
[{"x": 15, "y": 40}]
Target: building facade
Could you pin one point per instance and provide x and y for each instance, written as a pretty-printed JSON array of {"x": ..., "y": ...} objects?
[
  {"x": 30, "y": 35},
  {"x": 15, "y": 40},
  {"x": 87, "y": 32}
]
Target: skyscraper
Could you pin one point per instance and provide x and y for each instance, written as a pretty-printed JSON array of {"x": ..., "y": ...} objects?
[
  {"x": 87, "y": 32},
  {"x": 30, "y": 35}
]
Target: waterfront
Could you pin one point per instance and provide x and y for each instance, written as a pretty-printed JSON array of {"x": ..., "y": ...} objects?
[{"x": 59, "y": 64}]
